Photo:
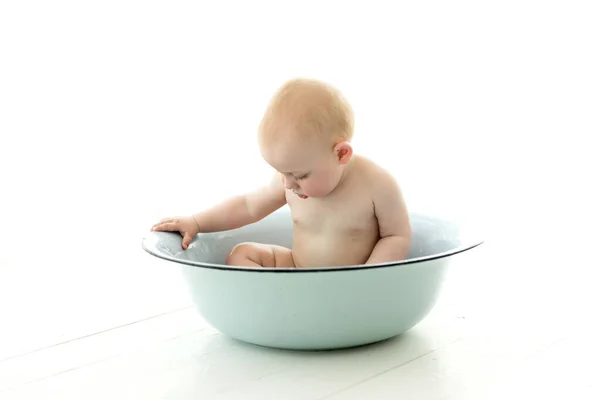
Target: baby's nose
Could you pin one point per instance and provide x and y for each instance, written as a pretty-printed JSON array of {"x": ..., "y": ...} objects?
[{"x": 290, "y": 183}]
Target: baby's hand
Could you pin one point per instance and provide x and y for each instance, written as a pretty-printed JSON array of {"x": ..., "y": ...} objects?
[{"x": 186, "y": 226}]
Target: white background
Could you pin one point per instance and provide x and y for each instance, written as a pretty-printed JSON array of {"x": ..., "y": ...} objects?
[{"x": 116, "y": 113}]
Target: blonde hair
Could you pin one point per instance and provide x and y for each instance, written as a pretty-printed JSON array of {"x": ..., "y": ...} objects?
[{"x": 308, "y": 107}]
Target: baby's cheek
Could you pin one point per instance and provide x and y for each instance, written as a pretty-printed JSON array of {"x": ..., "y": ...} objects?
[
  {"x": 315, "y": 189},
  {"x": 307, "y": 189}
]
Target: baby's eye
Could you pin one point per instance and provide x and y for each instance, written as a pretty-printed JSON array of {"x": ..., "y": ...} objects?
[{"x": 303, "y": 177}]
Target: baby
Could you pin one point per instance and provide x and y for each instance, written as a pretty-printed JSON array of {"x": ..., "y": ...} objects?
[{"x": 346, "y": 209}]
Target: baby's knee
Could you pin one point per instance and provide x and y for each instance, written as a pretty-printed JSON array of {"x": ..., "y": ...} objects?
[{"x": 241, "y": 252}]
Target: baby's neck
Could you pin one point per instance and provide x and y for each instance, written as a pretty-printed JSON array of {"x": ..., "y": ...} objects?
[{"x": 346, "y": 172}]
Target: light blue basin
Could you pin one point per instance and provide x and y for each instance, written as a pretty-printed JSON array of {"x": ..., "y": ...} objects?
[{"x": 317, "y": 308}]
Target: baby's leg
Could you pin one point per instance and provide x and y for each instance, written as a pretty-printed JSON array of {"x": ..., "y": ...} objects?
[{"x": 260, "y": 255}]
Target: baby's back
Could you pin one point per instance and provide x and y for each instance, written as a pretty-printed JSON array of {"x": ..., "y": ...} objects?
[{"x": 340, "y": 229}]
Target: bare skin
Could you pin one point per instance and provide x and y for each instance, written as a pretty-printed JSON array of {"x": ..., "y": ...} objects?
[
  {"x": 346, "y": 209},
  {"x": 362, "y": 220}
]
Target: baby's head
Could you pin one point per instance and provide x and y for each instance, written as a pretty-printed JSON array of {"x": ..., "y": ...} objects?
[{"x": 305, "y": 134}]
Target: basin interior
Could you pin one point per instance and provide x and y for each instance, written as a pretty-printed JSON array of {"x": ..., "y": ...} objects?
[{"x": 432, "y": 237}]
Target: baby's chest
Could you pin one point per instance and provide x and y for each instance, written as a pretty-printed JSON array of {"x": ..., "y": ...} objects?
[{"x": 329, "y": 216}]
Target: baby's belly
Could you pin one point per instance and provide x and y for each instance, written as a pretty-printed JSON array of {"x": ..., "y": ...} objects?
[{"x": 322, "y": 249}]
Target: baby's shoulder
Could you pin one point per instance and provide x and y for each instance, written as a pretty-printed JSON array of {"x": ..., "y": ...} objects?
[
  {"x": 381, "y": 184},
  {"x": 370, "y": 171}
]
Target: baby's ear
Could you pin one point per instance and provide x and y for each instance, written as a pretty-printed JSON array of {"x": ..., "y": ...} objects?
[{"x": 343, "y": 152}]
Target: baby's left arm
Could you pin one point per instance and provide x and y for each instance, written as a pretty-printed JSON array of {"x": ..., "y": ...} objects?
[{"x": 394, "y": 225}]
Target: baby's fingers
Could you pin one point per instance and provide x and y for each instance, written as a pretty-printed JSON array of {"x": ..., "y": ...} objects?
[
  {"x": 161, "y": 222},
  {"x": 166, "y": 226}
]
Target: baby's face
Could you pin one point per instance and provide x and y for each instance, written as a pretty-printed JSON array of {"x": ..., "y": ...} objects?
[{"x": 309, "y": 170}]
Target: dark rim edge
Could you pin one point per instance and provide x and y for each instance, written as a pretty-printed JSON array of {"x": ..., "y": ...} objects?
[{"x": 321, "y": 269}]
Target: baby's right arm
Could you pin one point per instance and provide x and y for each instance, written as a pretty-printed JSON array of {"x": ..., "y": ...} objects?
[
  {"x": 232, "y": 213},
  {"x": 242, "y": 210}
]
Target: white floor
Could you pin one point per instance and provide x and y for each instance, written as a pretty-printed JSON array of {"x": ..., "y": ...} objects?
[{"x": 114, "y": 116}]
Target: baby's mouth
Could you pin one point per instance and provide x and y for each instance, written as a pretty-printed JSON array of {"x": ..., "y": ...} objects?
[{"x": 302, "y": 196}]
